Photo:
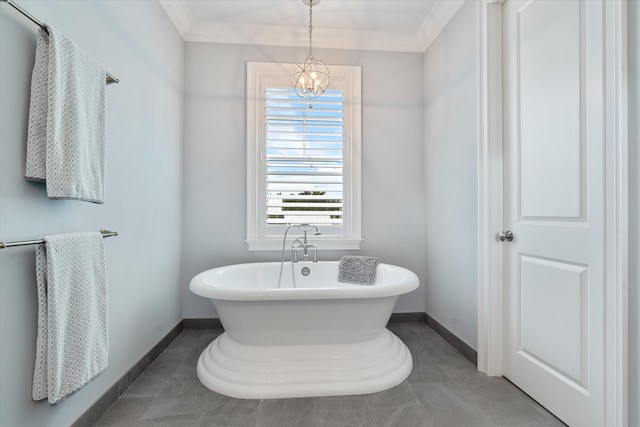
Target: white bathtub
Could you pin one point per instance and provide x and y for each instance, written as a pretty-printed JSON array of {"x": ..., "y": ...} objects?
[{"x": 321, "y": 338}]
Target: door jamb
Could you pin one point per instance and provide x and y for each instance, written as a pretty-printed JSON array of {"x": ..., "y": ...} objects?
[{"x": 490, "y": 187}]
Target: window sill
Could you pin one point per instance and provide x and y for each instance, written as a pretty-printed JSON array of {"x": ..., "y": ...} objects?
[{"x": 323, "y": 244}]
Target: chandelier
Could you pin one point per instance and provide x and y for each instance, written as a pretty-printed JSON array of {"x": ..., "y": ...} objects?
[{"x": 311, "y": 78}]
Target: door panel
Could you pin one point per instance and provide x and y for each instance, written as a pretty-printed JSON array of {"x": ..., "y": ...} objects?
[
  {"x": 554, "y": 198},
  {"x": 555, "y": 339},
  {"x": 549, "y": 69}
]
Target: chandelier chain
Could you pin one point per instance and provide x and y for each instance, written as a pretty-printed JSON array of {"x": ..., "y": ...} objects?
[{"x": 310, "y": 25}]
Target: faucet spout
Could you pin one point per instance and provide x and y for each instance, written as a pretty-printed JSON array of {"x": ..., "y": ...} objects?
[
  {"x": 299, "y": 243},
  {"x": 302, "y": 243}
]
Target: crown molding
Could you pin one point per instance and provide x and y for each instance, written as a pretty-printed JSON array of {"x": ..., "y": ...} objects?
[
  {"x": 442, "y": 13},
  {"x": 192, "y": 30},
  {"x": 179, "y": 13},
  {"x": 281, "y": 35}
]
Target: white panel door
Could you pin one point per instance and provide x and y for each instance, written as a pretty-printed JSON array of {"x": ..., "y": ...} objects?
[{"x": 554, "y": 205}]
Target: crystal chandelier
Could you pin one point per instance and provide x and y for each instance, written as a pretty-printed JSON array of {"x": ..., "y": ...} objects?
[{"x": 311, "y": 78}]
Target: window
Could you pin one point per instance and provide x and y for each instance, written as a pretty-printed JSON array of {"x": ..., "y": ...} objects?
[{"x": 303, "y": 162}]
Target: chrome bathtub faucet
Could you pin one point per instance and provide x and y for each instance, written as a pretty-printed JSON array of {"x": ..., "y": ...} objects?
[
  {"x": 302, "y": 243},
  {"x": 299, "y": 243}
]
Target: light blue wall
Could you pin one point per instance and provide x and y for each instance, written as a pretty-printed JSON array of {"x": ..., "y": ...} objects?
[
  {"x": 215, "y": 160},
  {"x": 139, "y": 45},
  {"x": 450, "y": 174}
]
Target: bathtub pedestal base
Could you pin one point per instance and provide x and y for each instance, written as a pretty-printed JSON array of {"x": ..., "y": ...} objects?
[{"x": 284, "y": 371}]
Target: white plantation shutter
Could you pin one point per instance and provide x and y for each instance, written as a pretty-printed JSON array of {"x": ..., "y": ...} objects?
[{"x": 304, "y": 158}]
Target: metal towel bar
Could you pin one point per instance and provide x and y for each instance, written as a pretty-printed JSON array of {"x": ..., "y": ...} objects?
[
  {"x": 105, "y": 233},
  {"x": 110, "y": 78}
]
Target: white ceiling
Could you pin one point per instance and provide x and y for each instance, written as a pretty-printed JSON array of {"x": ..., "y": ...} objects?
[{"x": 394, "y": 25}]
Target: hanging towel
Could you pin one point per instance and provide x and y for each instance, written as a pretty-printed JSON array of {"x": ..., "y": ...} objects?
[
  {"x": 72, "y": 343},
  {"x": 360, "y": 270},
  {"x": 66, "y": 133}
]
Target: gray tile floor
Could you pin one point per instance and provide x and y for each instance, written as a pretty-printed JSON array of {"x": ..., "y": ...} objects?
[{"x": 444, "y": 389}]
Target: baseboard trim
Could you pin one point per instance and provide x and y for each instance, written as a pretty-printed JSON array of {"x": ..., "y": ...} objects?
[
  {"x": 96, "y": 410},
  {"x": 465, "y": 349},
  {"x": 407, "y": 318},
  {"x": 213, "y": 323},
  {"x": 208, "y": 323}
]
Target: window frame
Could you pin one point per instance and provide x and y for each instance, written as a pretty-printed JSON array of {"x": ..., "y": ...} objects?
[{"x": 268, "y": 74}]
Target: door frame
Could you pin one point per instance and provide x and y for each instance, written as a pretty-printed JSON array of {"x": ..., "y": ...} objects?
[{"x": 491, "y": 201}]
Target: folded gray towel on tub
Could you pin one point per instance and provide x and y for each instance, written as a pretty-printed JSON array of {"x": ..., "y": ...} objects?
[{"x": 360, "y": 270}]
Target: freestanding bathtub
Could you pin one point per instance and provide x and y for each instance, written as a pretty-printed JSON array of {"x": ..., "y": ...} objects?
[{"x": 314, "y": 337}]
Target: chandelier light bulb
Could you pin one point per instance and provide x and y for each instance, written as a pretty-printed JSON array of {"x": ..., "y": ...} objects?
[{"x": 311, "y": 78}]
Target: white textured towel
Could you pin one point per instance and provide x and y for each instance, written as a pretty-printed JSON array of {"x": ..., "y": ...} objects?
[
  {"x": 360, "y": 270},
  {"x": 72, "y": 345},
  {"x": 66, "y": 134}
]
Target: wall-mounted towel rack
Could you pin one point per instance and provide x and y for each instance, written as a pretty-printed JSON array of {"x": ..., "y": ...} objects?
[
  {"x": 105, "y": 233},
  {"x": 110, "y": 78}
]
